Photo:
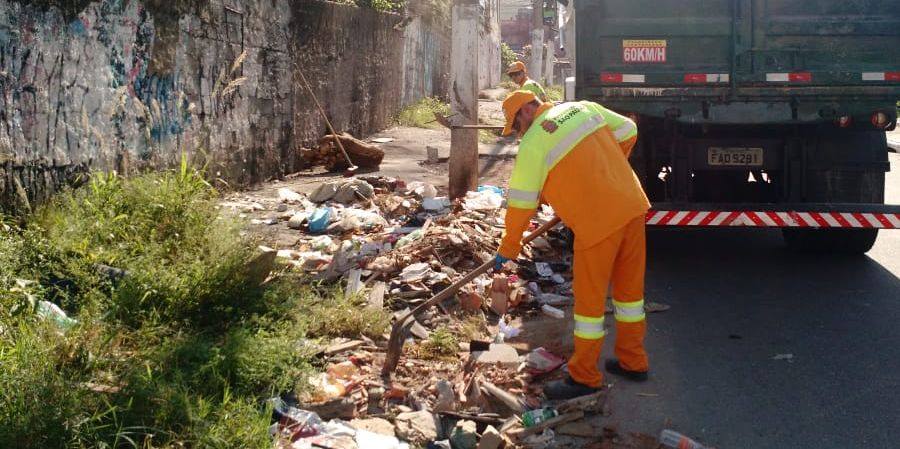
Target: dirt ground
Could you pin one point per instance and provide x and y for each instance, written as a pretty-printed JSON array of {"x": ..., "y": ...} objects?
[{"x": 405, "y": 156}]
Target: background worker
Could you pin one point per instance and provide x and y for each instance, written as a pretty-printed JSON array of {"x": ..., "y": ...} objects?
[
  {"x": 519, "y": 75},
  {"x": 574, "y": 156}
]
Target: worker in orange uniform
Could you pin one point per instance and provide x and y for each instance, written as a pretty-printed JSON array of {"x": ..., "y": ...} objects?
[
  {"x": 519, "y": 75},
  {"x": 575, "y": 158}
]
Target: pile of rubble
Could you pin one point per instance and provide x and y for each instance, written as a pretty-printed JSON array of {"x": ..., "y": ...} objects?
[{"x": 396, "y": 245}]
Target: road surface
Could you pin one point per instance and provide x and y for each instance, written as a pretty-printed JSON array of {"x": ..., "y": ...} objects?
[{"x": 763, "y": 348}]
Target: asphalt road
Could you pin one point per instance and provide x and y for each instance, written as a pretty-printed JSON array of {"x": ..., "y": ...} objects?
[{"x": 764, "y": 348}]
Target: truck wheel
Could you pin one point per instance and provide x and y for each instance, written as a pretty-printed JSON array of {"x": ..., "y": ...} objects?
[
  {"x": 849, "y": 241},
  {"x": 832, "y": 180},
  {"x": 839, "y": 186}
]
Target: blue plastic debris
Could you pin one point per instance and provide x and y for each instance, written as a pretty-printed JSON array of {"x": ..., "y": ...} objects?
[{"x": 319, "y": 219}]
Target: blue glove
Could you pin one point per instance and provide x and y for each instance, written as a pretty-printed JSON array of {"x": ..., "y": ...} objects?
[{"x": 499, "y": 261}]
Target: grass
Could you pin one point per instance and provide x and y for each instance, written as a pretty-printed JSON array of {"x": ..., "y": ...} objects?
[
  {"x": 473, "y": 328},
  {"x": 508, "y": 84},
  {"x": 182, "y": 351},
  {"x": 487, "y": 136},
  {"x": 507, "y": 56},
  {"x": 555, "y": 93},
  {"x": 441, "y": 344},
  {"x": 421, "y": 114},
  {"x": 340, "y": 317}
]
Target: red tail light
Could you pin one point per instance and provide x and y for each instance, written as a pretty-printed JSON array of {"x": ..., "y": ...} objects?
[
  {"x": 611, "y": 77},
  {"x": 804, "y": 77},
  {"x": 880, "y": 120},
  {"x": 843, "y": 121},
  {"x": 695, "y": 78}
]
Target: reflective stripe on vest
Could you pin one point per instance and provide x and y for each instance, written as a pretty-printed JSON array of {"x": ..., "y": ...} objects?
[
  {"x": 523, "y": 195},
  {"x": 622, "y": 127},
  {"x": 535, "y": 88},
  {"x": 541, "y": 150},
  {"x": 626, "y": 131},
  {"x": 588, "y": 327},
  {"x": 629, "y": 312}
]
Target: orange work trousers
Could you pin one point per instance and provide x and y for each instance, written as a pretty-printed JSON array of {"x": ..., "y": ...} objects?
[{"x": 620, "y": 259}]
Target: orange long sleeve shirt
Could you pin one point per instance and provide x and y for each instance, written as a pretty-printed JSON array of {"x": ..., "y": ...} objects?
[{"x": 592, "y": 189}]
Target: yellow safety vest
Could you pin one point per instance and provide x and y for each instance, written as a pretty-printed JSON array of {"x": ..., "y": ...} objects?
[
  {"x": 535, "y": 88},
  {"x": 540, "y": 150}
]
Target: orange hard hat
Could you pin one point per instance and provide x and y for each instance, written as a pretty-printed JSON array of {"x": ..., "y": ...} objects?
[
  {"x": 517, "y": 66},
  {"x": 511, "y": 105}
]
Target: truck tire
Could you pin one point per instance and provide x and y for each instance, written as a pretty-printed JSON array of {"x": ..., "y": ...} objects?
[
  {"x": 847, "y": 241},
  {"x": 836, "y": 183}
]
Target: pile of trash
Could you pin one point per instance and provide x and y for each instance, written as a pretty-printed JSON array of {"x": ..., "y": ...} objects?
[{"x": 397, "y": 244}]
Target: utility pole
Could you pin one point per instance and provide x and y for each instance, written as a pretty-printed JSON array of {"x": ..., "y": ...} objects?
[
  {"x": 464, "y": 97},
  {"x": 536, "y": 65}
]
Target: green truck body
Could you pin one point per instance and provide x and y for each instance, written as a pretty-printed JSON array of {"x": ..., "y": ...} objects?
[
  {"x": 770, "y": 104},
  {"x": 769, "y": 61}
]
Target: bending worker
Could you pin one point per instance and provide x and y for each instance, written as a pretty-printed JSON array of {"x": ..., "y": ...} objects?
[
  {"x": 517, "y": 73},
  {"x": 574, "y": 156}
]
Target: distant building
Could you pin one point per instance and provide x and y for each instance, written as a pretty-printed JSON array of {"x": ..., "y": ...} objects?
[{"x": 516, "y": 31}]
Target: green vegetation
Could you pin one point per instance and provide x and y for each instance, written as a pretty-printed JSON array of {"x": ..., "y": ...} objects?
[
  {"x": 487, "y": 136},
  {"x": 421, "y": 114},
  {"x": 382, "y": 5},
  {"x": 180, "y": 351},
  {"x": 555, "y": 93},
  {"x": 507, "y": 56},
  {"x": 507, "y": 83},
  {"x": 378, "y": 5},
  {"x": 441, "y": 344},
  {"x": 473, "y": 328}
]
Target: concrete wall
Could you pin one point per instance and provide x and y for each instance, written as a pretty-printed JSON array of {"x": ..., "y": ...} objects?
[
  {"x": 131, "y": 84},
  {"x": 489, "y": 45},
  {"x": 426, "y": 60}
]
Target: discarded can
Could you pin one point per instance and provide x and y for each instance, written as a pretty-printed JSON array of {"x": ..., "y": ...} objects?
[
  {"x": 534, "y": 417},
  {"x": 672, "y": 439}
]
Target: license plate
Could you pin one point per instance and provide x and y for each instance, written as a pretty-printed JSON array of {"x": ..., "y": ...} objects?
[{"x": 738, "y": 157}]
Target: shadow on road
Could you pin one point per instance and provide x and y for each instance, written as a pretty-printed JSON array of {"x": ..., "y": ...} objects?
[{"x": 764, "y": 347}]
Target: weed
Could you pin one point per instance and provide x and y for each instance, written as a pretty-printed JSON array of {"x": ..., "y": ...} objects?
[
  {"x": 332, "y": 315},
  {"x": 185, "y": 263},
  {"x": 421, "y": 114},
  {"x": 441, "y": 344},
  {"x": 487, "y": 136},
  {"x": 508, "y": 84},
  {"x": 472, "y": 328},
  {"x": 554, "y": 93},
  {"x": 507, "y": 56},
  {"x": 181, "y": 351}
]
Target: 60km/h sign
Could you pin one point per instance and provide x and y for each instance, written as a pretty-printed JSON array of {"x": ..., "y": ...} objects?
[{"x": 644, "y": 50}]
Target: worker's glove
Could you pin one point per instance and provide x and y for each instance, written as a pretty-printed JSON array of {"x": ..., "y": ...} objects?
[{"x": 499, "y": 260}]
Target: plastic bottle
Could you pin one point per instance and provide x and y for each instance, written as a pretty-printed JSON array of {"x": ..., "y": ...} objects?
[
  {"x": 534, "y": 417},
  {"x": 675, "y": 440},
  {"x": 51, "y": 311}
]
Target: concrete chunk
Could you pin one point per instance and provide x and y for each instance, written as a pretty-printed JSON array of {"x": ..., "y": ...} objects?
[
  {"x": 417, "y": 427},
  {"x": 490, "y": 439},
  {"x": 503, "y": 354}
]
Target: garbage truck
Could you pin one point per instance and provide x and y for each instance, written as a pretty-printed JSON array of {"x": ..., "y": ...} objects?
[{"x": 766, "y": 113}]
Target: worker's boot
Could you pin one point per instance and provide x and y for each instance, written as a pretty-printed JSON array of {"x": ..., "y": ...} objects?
[
  {"x": 567, "y": 389},
  {"x": 614, "y": 367}
]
